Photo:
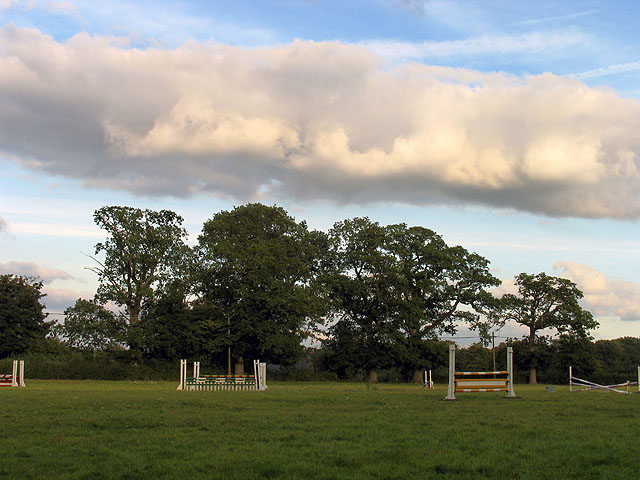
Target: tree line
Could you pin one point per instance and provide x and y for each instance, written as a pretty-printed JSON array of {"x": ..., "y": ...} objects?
[{"x": 259, "y": 284}]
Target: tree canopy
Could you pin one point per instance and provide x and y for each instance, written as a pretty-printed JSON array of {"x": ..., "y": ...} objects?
[
  {"x": 90, "y": 326},
  {"x": 545, "y": 302},
  {"x": 22, "y": 317},
  {"x": 144, "y": 247},
  {"x": 396, "y": 287},
  {"x": 256, "y": 269}
]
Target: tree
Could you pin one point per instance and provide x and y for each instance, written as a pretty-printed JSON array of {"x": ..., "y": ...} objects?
[
  {"x": 145, "y": 247},
  {"x": 257, "y": 270},
  {"x": 22, "y": 317},
  {"x": 90, "y": 326},
  {"x": 361, "y": 290},
  {"x": 436, "y": 287},
  {"x": 172, "y": 328},
  {"x": 545, "y": 302}
]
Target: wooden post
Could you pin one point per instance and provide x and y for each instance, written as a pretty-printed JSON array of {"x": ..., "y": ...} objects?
[
  {"x": 510, "y": 391},
  {"x": 493, "y": 348},
  {"x": 183, "y": 374},
  {"x": 451, "y": 395},
  {"x": 14, "y": 376}
]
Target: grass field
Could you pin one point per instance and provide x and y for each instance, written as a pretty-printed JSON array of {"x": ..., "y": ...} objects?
[{"x": 92, "y": 430}]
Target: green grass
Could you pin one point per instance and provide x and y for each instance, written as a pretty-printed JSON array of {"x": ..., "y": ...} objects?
[{"x": 93, "y": 430}]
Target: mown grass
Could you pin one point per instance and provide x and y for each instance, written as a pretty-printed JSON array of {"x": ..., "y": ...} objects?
[{"x": 129, "y": 430}]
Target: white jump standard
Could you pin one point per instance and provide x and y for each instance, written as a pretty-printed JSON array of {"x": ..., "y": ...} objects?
[
  {"x": 428, "y": 381},
  {"x": 588, "y": 386},
  {"x": 16, "y": 379},
  {"x": 257, "y": 381},
  {"x": 496, "y": 381}
]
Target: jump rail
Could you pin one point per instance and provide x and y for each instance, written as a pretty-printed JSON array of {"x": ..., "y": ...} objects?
[
  {"x": 589, "y": 386},
  {"x": 16, "y": 378},
  {"x": 258, "y": 381},
  {"x": 494, "y": 381}
]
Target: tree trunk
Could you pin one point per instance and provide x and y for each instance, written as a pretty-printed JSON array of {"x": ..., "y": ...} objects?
[
  {"x": 533, "y": 380},
  {"x": 417, "y": 376},
  {"x": 134, "y": 315},
  {"x": 239, "y": 367},
  {"x": 373, "y": 375}
]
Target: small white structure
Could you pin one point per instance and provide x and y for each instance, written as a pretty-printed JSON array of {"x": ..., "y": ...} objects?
[
  {"x": 16, "y": 378},
  {"x": 257, "y": 381},
  {"x": 428, "y": 381},
  {"x": 588, "y": 386},
  {"x": 502, "y": 380}
]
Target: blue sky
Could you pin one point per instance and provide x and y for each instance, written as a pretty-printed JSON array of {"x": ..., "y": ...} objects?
[{"x": 508, "y": 128}]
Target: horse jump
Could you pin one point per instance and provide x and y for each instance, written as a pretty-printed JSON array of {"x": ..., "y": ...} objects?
[
  {"x": 497, "y": 381},
  {"x": 257, "y": 381},
  {"x": 16, "y": 379},
  {"x": 588, "y": 386}
]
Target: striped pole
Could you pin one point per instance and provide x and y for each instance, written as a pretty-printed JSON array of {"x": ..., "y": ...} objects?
[{"x": 452, "y": 369}]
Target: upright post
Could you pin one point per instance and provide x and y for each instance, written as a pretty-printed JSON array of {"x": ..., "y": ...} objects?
[
  {"x": 183, "y": 374},
  {"x": 196, "y": 370},
  {"x": 21, "y": 380},
  {"x": 262, "y": 368},
  {"x": 451, "y": 395},
  {"x": 493, "y": 349},
  {"x": 510, "y": 391},
  {"x": 14, "y": 375},
  {"x": 638, "y": 379},
  {"x": 570, "y": 378}
]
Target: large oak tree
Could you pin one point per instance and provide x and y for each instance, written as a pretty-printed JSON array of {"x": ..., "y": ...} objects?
[
  {"x": 257, "y": 270},
  {"x": 545, "y": 302},
  {"x": 144, "y": 248}
]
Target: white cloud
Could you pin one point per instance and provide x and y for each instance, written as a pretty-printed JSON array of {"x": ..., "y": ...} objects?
[
  {"x": 313, "y": 121},
  {"x": 603, "y": 296},
  {"x": 57, "y": 230},
  {"x": 504, "y": 44},
  {"x": 4, "y": 226},
  {"x": 57, "y": 300},
  {"x": 609, "y": 70},
  {"x": 30, "y": 269}
]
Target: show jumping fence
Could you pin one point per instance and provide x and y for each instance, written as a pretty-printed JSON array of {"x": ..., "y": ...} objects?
[
  {"x": 257, "y": 381},
  {"x": 494, "y": 381},
  {"x": 16, "y": 378},
  {"x": 587, "y": 386}
]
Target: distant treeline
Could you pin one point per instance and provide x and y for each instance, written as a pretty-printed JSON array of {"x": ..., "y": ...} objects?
[
  {"x": 602, "y": 361},
  {"x": 259, "y": 285}
]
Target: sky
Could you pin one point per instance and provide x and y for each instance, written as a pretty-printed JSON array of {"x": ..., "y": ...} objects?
[{"x": 510, "y": 128}]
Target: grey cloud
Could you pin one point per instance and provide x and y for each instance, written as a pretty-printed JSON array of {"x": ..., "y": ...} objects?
[
  {"x": 30, "y": 269},
  {"x": 313, "y": 121}
]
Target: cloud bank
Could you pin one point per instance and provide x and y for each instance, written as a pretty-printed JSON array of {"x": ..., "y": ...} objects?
[
  {"x": 603, "y": 296},
  {"x": 30, "y": 269},
  {"x": 313, "y": 121}
]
